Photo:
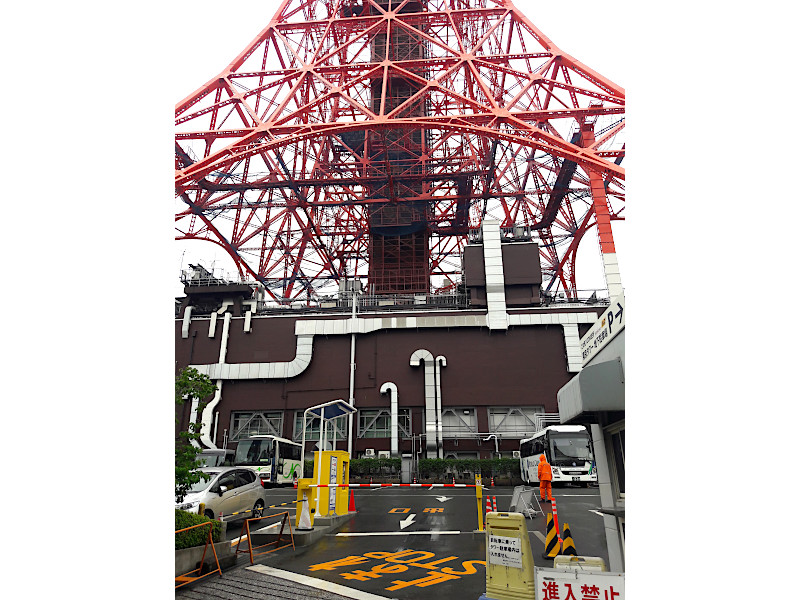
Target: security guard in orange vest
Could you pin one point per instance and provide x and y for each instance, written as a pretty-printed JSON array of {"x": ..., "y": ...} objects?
[{"x": 545, "y": 479}]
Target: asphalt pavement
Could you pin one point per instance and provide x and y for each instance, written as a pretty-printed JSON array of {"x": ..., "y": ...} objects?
[{"x": 409, "y": 543}]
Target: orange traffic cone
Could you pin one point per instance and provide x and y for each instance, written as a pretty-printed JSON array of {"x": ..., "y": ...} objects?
[{"x": 352, "y": 506}]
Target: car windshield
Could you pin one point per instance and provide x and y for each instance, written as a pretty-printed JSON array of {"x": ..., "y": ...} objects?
[
  {"x": 570, "y": 448},
  {"x": 210, "y": 460},
  {"x": 254, "y": 452},
  {"x": 202, "y": 484}
]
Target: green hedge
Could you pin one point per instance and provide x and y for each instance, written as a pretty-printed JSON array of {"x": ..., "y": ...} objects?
[
  {"x": 437, "y": 467},
  {"x": 195, "y": 537}
]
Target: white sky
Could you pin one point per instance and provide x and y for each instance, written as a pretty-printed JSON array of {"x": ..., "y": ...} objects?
[{"x": 227, "y": 34}]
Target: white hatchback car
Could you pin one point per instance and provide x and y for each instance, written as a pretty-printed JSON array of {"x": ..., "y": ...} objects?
[{"x": 230, "y": 490}]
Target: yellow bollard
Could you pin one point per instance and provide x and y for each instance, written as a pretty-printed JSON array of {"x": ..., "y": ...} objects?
[
  {"x": 478, "y": 498},
  {"x": 201, "y": 509}
]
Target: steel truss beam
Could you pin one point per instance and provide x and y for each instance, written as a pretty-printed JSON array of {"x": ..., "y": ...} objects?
[{"x": 341, "y": 108}]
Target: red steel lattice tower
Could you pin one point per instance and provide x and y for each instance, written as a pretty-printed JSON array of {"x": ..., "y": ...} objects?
[{"x": 366, "y": 138}]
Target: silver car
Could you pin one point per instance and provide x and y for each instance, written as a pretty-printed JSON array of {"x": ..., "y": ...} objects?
[{"x": 230, "y": 490}]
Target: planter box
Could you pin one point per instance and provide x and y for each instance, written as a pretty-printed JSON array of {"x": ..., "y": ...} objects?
[{"x": 188, "y": 559}]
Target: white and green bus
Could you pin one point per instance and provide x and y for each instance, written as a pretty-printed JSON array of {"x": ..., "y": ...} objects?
[
  {"x": 567, "y": 448},
  {"x": 274, "y": 459}
]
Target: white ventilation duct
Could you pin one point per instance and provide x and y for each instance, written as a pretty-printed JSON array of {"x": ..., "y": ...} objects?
[
  {"x": 208, "y": 411},
  {"x": 441, "y": 361},
  {"x": 392, "y": 389},
  {"x": 430, "y": 399}
]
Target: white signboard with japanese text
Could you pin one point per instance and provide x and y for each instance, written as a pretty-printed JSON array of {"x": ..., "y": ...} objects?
[
  {"x": 607, "y": 326},
  {"x": 505, "y": 551},
  {"x": 555, "y": 584},
  {"x": 332, "y": 490}
]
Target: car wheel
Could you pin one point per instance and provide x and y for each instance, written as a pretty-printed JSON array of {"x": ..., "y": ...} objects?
[
  {"x": 209, "y": 514},
  {"x": 258, "y": 509}
]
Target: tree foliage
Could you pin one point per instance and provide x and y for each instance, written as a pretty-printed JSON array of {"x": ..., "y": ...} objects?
[{"x": 190, "y": 385}]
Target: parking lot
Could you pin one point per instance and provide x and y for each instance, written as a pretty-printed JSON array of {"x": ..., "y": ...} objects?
[{"x": 417, "y": 542}]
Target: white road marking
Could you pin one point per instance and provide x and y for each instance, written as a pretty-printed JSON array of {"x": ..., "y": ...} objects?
[
  {"x": 376, "y": 533},
  {"x": 597, "y": 512},
  {"x": 443, "y": 498},
  {"x": 539, "y": 535},
  {"x": 236, "y": 541},
  {"x": 334, "y": 588},
  {"x": 575, "y": 496},
  {"x": 407, "y": 521}
]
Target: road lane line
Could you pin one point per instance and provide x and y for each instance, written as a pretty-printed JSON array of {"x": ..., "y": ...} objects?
[
  {"x": 539, "y": 535},
  {"x": 368, "y": 533},
  {"x": 597, "y": 512},
  {"x": 313, "y": 582}
]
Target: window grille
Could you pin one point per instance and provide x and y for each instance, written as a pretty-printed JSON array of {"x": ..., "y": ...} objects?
[
  {"x": 312, "y": 428},
  {"x": 513, "y": 421},
  {"x": 459, "y": 422},
  {"x": 246, "y": 424},
  {"x": 377, "y": 423}
]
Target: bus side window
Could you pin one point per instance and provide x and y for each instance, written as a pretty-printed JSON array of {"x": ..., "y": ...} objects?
[{"x": 296, "y": 452}]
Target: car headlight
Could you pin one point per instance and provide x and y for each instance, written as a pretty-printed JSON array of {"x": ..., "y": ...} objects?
[{"x": 189, "y": 505}]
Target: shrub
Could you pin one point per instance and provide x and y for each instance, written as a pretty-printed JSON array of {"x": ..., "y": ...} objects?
[
  {"x": 364, "y": 467},
  {"x": 195, "y": 537}
]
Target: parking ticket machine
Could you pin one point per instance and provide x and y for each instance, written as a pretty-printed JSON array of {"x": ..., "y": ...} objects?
[{"x": 331, "y": 467}]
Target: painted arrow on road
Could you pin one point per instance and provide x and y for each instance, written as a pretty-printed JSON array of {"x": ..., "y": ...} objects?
[
  {"x": 443, "y": 498},
  {"x": 407, "y": 521}
]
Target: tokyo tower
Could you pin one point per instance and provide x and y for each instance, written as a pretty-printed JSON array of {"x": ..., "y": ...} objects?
[{"x": 371, "y": 138}]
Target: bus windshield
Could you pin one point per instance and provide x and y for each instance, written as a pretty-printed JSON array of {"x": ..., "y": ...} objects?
[
  {"x": 568, "y": 448},
  {"x": 254, "y": 452}
]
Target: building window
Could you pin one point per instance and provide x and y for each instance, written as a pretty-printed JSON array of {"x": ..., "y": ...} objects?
[
  {"x": 377, "y": 423},
  {"x": 514, "y": 421},
  {"x": 312, "y": 428},
  {"x": 245, "y": 424},
  {"x": 459, "y": 422}
]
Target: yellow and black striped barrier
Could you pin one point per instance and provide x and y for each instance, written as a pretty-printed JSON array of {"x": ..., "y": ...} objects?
[
  {"x": 551, "y": 541},
  {"x": 568, "y": 546}
]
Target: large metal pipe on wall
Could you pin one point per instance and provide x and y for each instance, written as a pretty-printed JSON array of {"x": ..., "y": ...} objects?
[
  {"x": 441, "y": 361},
  {"x": 430, "y": 399},
  {"x": 392, "y": 389},
  {"x": 208, "y": 412}
]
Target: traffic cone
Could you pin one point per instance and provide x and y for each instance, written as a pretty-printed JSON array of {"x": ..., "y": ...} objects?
[
  {"x": 295, "y": 484},
  {"x": 568, "y": 546},
  {"x": 555, "y": 518},
  {"x": 415, "y": 479},
  {"x": 352, "y": 506},
  {"x": 492, "y": 480},
  {"x": 370, "y": 479},
  {"x": 551, "y": 540},
  {"x": 494, "y": 503},
  {"x": 454, "y": 479},
  {"x": 305, "y": 518}
]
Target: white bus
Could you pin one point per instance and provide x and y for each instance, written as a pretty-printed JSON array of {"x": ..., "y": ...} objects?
[
  {"x": 568, "y": 450},
  {"x": 275, "y": 460}
]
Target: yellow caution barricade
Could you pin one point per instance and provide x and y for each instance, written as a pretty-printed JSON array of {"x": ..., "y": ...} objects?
[{"x": 509, "y": 562}]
